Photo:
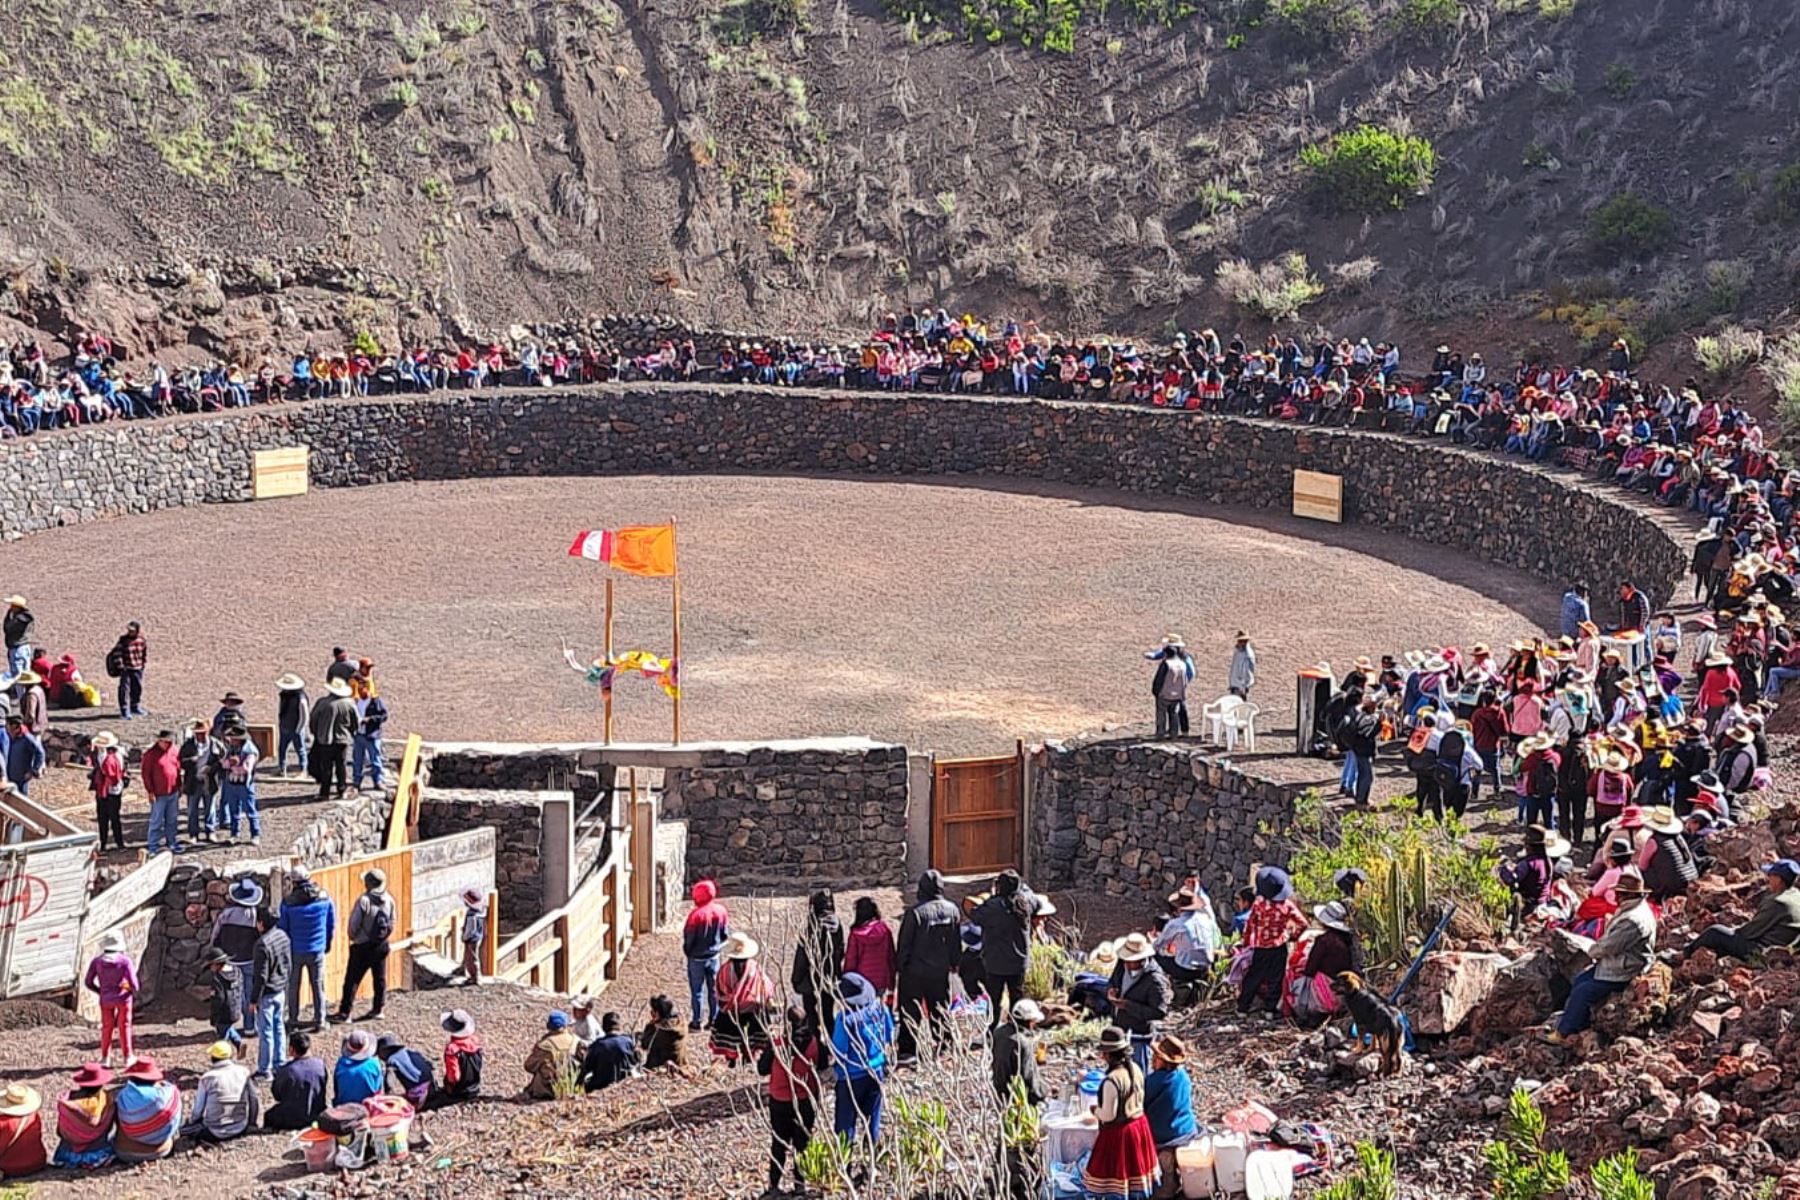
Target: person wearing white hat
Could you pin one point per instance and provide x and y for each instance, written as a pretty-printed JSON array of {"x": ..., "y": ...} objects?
[
  {"x": 1174, "y": 671},
  {"x": 740, "y": 1031},
  {"x": 291, "y": 707},
  {"x": 1140, "y": 994},
  {"x": 1017, "y": 1052},
  {"x": 112, "y": 976},
  {"x": 15, "y": 626},
  {"x": 333, "y": 724},
  {"x": 21, "y": 1132},
  {"x": 106, "y": 779}
]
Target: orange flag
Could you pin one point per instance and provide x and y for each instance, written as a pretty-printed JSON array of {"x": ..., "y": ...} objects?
[{"x": 635, "y": 549}]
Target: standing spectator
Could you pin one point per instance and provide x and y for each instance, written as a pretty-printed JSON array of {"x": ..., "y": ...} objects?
[
  {"x": 1174, "y": 671},
  {"x": 237, "y": 783},
  {"x": 1242, "y": 676},
  {"x": 235, "y": 933},
  {"x": 225, "y": 995},
  {"x": 1004, "y": 919},
  {"x": 309, "y": 919},
  {"x": 125, "y": 662},
  {"x": 1274, "y": 923},
  {"x": 703, "y": 936},
  {"x": 474, "y": 933},
  {"x": 112, "y": 976},
  {"x": 372, "y": 714},
  {"x": 34, "y": 705},
  {"x": 230, "y": 714},
  {"x": 160, "y": 770},
  {"x": 1359, "y": 734},
  {"x": 929, "y": 950},
  {"x": 290, "y": 721},
  {"x": 859, "y": 1057},
  {"x": 199, "y": 758},
  {"x": 792, "y": 1063},
  {"x": 1634, "y": 609},
  {"x": 371, "y": 927},
  {"x": 869, "y": 951},
  {"x": 298, "y": 1088},
  {"x": 272, "y": 966},
  {"x": 817, "y": 958},
  {"x": 333, "y": 727},
  {"x": 15, "y": 626},
  {"x": 1575, "y": 610},
  {"x": 340, "y": 668},
  {"x": 106, "y": 779},
  {"x": 24, "y": 754}
]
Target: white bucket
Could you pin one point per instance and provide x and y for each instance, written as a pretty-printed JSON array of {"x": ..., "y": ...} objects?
[
  {"x": 1230, "y": 1154},
  {"x": 1194, "y": 1164}
]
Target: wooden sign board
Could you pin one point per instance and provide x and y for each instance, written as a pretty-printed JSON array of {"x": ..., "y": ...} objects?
[
  {"x": 1319, "y": 497},
  {"x": 279, "y": 472}
]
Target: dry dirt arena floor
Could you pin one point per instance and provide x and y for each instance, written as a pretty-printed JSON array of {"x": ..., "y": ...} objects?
[{"x": 945, "y": 615}]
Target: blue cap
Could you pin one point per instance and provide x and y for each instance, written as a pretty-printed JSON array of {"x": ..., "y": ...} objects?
[
  {"x": 1787, "y": 868},
  {"x": 559, "y": 1020}
]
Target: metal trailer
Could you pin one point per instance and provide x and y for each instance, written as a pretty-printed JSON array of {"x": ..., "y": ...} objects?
[{"x": 46, "y": 872}]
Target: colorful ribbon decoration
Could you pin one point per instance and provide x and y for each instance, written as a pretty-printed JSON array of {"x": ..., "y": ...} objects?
[{"x": 603, "y": 671}]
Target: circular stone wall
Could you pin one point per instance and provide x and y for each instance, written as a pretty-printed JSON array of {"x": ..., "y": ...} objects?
[{"x": 949, "y": 618}]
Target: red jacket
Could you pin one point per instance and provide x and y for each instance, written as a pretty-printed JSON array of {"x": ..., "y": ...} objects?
[
  {"x": 1713, "y": 685},
  {"x": 161, "y": 769},
  {"x": 870, "y": 953}
]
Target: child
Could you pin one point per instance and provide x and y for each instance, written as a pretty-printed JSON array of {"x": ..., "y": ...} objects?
[
  {"x": 225, "y": 999},
  {"x": 792, "y": 1064},
  {"x": 106, "y": 779},
  {"x": 474, "y": 933},
  {"x": 462, "y": 1057},
  {"x": 113, "y": 977},
  {"x": 1245, "y": 898}
]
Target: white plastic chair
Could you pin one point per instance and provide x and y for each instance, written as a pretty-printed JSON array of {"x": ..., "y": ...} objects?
[
  {"x": 1214, "y": 715},
  {"x": 1241, "y": 722}
]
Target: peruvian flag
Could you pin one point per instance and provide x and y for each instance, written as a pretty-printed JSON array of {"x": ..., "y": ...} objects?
[{"x": 594, "y": 544}]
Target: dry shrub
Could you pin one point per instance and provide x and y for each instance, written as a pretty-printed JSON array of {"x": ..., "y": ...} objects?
[
  {"x": 1729, "y": 351},
  {"x": 1277, "y": 290}
]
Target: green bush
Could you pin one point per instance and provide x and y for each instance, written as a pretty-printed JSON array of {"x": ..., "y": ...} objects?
[
  {"x": 1616, "y": 1178},
  {"x": 1430, "y": 16},
  {"x": 1631, "y": 226},
  {"x": 1047, "y": 24},
  {"x": 1781, "y": 367},
  {"x": 1370, "y": 168},
  {"x": 1319, "y": 24},
  {"x": 1372, "y": 1178},
  {"x": 1049, "y": 971},
  {"x": 1784, "y": 194},
  {"x": 1621, "y": 80},
  {"x": 1523, "y": 1169}
]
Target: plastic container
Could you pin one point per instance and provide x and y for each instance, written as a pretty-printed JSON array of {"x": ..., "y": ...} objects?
[
  {"x": 1269, "y": 1175},
  {"x": 1194, "y": 1164},
  {"x": 388, "y": 1133},
  {"x": 1230, "y": 1153},
  {"x": 320, "y": 1149}
]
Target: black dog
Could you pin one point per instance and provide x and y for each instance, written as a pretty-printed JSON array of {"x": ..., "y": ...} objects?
[{"x": 1374, "y": 1018}]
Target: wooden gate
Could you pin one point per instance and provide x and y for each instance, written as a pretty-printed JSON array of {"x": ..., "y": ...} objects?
[{"x": 977, "y": 813}]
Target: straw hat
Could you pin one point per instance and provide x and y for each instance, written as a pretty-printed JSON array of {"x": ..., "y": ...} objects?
[
  {"x": 112, "y": 942},
  {"x": 104, "y": 741},
  {"x": 1534, "y": 743},
  {"x": 28, "y": 678},
  {"x": 1045, "y": 907},
  {"x": 456, "y": 1022},
  {"x": 740, "y": 946},
  {"x": 1743, "y": 735},
  {"x": 290, "y": 683},
  {"x": 1555, "y": 845},
  {"x": 1135, "y": 947},
  {"x": 1613, "y": 760},
  {"x": 1630, "y": 885},
  {"x": 15, "y": 601},
  {"x": 1435, "y": 665},
  {"x": 19, "y": 1100},
  {"x": 1105, "y": 956},
  {"x": 337, "y": 687}
]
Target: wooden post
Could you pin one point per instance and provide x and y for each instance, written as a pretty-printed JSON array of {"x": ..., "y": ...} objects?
[
  {"x": 681, "y": 667},
  {"x": 606, "y": 696},
  {"x": 490, "y": 944}
]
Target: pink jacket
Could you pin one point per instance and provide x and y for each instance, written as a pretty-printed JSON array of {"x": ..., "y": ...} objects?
[
  {"x": 113, "y": 976},
  {"x": 870, "y": 953}
]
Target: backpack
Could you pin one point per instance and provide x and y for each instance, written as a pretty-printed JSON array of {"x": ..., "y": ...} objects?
[
  {"x": 115, "y": 661},
  {"x": 381, "y": 920},
  {"x": 1448, "y": 767}
]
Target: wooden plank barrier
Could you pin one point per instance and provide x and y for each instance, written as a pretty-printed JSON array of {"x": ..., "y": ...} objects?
[
  {"x": 280, "y": 472},
  {"x": 343, "y": 882},
  {"x": 580, "y": 946},
  {"x": 1318, "y": 496}
]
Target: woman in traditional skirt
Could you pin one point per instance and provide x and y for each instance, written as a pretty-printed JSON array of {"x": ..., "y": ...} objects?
[
  {"x": 741, "y": 1030},
  {"x": 1122, "y": 1165}
]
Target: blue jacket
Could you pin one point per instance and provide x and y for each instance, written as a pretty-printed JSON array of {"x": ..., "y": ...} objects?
[
  {"x": 860, "y": 1040},
  {"x": 1169, "y": 1104},
  {"x": 1574, "y": 611},
  {"x": 352, "y": 1082},
  {"x": 24, "y": 758},
  {"x": 309, "y": 918}
]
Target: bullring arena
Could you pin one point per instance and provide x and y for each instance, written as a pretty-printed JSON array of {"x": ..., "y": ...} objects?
[{"x": 946, "y": 575}]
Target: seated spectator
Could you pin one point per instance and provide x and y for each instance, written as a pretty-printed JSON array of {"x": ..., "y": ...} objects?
[
  {"x": 85, "y": 1120},
  {"x": 21, "y": 1132},
  {"x": 226, "y": 1105},
  {"x": 1016, "y": 1052},
  {"x": 1776, "y": 923},
  {"x": 1169, "y": 1105},
  {"x": 1187, "y": 945},
  {"x": 149, "y": 1114},
  {"x": 357, "y": 1075},
  {"x": 551, "y": 1065},
  {"x": 462, "y": 1057},
  {"x": 663, "y": 1040},
  {"x": 298, "y": 1088},
  {"x": 407, "y": 1073},
  {"x": 610, "y": 1058},
  {"x": 1626, "y": 950}
]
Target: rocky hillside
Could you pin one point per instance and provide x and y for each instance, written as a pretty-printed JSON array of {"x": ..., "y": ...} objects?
[{"x": 231, "y": 173}]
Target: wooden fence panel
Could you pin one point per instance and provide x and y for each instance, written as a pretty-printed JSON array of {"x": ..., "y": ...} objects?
[{"x": 343, "y": 882}]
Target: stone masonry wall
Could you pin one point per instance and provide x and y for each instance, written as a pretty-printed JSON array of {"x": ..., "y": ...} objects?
[
  {"x": 1498, "y": 509},
  {"x": 1132, "y": 817},
  {"x": 517, "y": 819},
  {"x": 345, "y": 829},
  {"x": 772, "y": 817}
]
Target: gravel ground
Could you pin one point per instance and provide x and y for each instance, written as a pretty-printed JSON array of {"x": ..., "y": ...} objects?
[{"x": 810, "y": 606}]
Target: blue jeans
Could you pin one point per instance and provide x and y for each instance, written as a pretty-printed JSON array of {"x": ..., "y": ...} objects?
[
  {"x": 365, "y": 751},
  {"x": 1490, "y": 763},
  {"x": 239, "y": 801},
  {"x": 314, "y": 966},
  {"x": 131, "y": 693},
  {"x": 202, "y": 819},
  {"x": 1779, "y": 678},
  {"x": 1347, "y": 777},
  {"x": 858, "y": 1099},
  {"x": 271, "y": 1034},
  {"x": 1365, "y": 776},
  {"x": 1587, "y": 995},
  {"x": 165, "y": 824},
  {"x": 703, "y": 975},
  {"x": 296, "y": 739},
  {"x": 18, "y": 658}
]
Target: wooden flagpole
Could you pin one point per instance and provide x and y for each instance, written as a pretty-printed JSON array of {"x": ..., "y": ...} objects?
[
  {"x": 606, "y": 696},
  {"x": 675, "y": 656}
]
